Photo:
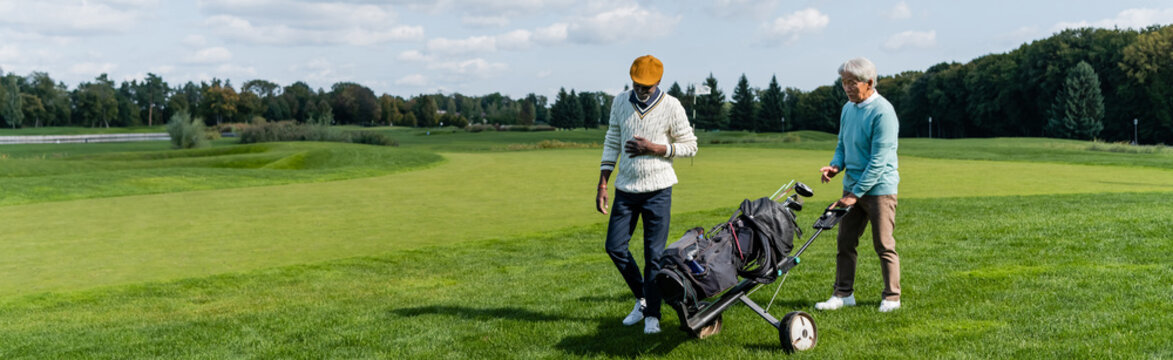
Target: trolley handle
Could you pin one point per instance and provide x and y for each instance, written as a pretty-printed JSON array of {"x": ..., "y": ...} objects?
[
  {"x": 827, "y": 221},
  {"x": 830, "y": 218}
]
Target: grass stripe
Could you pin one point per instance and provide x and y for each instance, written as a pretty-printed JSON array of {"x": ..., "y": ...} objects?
[
  {"x": 983, "y": 278},
  {"x": 124, "y": 240}
]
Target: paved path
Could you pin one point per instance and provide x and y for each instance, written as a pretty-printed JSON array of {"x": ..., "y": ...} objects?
[{"x": 89, "y": 138}]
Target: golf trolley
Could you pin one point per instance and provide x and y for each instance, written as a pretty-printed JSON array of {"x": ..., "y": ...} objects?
[{"x": 754, "y": 245}]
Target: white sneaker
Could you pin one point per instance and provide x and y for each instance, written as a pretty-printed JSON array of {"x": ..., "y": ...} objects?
[
  {"x": 886, "y": 306},
  {"x": 651, "y": 325},
  {"x": 636, "y": 314},
  {"x": 835, "y": 302}
]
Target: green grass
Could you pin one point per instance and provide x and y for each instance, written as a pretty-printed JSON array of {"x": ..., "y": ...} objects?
[
  {"x": 60, "y": 151},
  {"x": 486, "y": 245},
  {"x": 1004, "y": 149},
  {"x": 133, "y": 173},
  {"x": 1085, "y": 279},
  {"x": 130, "y": 239},
  {"x": 998, "y": 149}
]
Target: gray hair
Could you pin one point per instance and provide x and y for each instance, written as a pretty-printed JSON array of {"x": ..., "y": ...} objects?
[{"x": 859, "y": 68}]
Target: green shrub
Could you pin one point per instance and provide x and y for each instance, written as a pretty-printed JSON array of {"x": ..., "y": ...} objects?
[
  {"x": 526, "y": 128},
  {"x": 552, "y": 144},
  {"x": 474, "y": 128},
  {"x": 187, "y": 133},
  {"x": 1127, "y": 148},
  {"x": 456, "y": 120},
  {"x": 291, "y": 131},
  {"x": 371, "y": 138}
]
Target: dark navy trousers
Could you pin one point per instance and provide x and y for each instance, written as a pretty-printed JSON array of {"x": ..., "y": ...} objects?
[{"x": 655, "y": 209}]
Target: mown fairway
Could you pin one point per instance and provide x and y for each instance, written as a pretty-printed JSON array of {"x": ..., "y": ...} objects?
[{"x": 494, "y": 253}]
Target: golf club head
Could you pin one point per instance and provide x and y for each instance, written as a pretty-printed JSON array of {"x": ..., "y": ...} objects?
[
  {"x": 803, "y": 190},
  {"x": 794, "y": 203}
]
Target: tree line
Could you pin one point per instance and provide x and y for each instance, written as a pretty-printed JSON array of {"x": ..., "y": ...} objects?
[
  {"x": 37, "y": 100},
  {"x": 1079, "y": 83}
]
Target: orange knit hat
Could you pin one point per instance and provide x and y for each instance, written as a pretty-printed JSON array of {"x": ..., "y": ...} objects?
[{"x": 646, "y": 70}]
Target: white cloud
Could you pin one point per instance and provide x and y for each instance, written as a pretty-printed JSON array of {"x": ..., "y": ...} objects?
[
  {"x": 609, "y": 26},
  {"x": 485, "y": 21},
  {"x": 552, "y": 34},
  {"x": 739, "y": 10},
  {"x": 73, "y": 18},
  {"x": 318, "y": 71},
  {"x": 414, "y": 56},
  {"x": 544, "y": 74},
  {"x": 416, "y": 80},
  {"x": 1130, "y": 18},
  {"x": 511, "y": 41},
  {"x": 475, "y": 44},
  {"x": 236, "y": 71},
  {"x": 475, "y": 68},
  {"x": 92, "y": 69},
  {"x": 625, "y": 23},
  {"x": 9, "y": 52},
  {"x": 162, "y": 69},
  {"x": 911, "y": 40},
  {"x": 488, "y": 8},
  {"x": 195, "y": 41},
  {"x": 899, "y": 12},
  {"x": 788, "y": 28},
  {"x": 212, "y": 55},
  {"x": 275, "y": 22},
  {"x": 515, "y": 40}
]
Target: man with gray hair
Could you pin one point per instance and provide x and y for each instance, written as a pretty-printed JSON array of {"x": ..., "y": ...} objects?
[{"x": 868, "y": 131}]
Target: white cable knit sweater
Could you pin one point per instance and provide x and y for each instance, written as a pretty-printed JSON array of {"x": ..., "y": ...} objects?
[{"x": 663, "y": 122}]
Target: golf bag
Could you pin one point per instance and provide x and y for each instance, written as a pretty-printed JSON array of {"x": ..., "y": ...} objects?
[{"x": 699, "y": 265}]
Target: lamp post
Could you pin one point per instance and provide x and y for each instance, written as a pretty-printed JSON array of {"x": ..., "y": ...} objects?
[
  {"x": 1135, "y": 139},
  {"x": 930, "y": 127}
]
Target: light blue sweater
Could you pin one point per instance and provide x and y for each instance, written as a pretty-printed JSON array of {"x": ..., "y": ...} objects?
[{"x": 867, "y": 147}]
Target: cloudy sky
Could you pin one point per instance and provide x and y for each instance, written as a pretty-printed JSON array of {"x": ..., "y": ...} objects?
[{"x": 406, "y": 47}]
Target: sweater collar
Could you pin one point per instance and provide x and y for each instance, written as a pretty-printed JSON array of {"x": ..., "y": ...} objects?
[
  {"x": 865, "y": 102},
  {"x": 645, "y": 104},
  {"x": 643, "y": 108}
]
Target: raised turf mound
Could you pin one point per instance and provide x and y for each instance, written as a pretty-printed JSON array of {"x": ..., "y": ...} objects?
[{"x": 151, "y": 172}]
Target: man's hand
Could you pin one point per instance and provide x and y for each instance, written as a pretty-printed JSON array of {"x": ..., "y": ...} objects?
[
  {"x": 847, "y": 201},
  {"x": 639, "y": 146},
  {"x": 828, "y": 173},
  {"x": 601, "y": 200}
]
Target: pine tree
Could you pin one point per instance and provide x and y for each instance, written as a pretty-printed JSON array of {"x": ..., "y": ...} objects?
[
  {"x": 710, "y": 108},
  {"x": 741, "y": 115},
  {"x": 770, "y": 116},
  {"x": 559, "y": 114},
  {"x": 526, "y": 116},
  {"x": 590, "y": 109},
  {"x": 574, "y": 109},
  {"x": 1078, "y": 110},
  {"x": 677, "y": 93}
]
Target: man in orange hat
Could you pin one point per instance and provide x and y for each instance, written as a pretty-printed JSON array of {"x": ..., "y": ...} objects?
[{"x": 653, "y": 129}]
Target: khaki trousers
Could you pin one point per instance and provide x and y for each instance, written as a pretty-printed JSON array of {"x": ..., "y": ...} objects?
[{"x": 880, "y": 211}]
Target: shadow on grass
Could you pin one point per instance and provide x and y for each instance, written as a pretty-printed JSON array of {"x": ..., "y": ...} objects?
[
  {"x": 616, "y": 297},
  {"x": 513, "y": 313},
  {"x": 611, "y": 338}
]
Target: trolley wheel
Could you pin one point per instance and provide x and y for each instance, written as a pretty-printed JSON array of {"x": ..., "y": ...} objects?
[{"x": 797, "y": 332}]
